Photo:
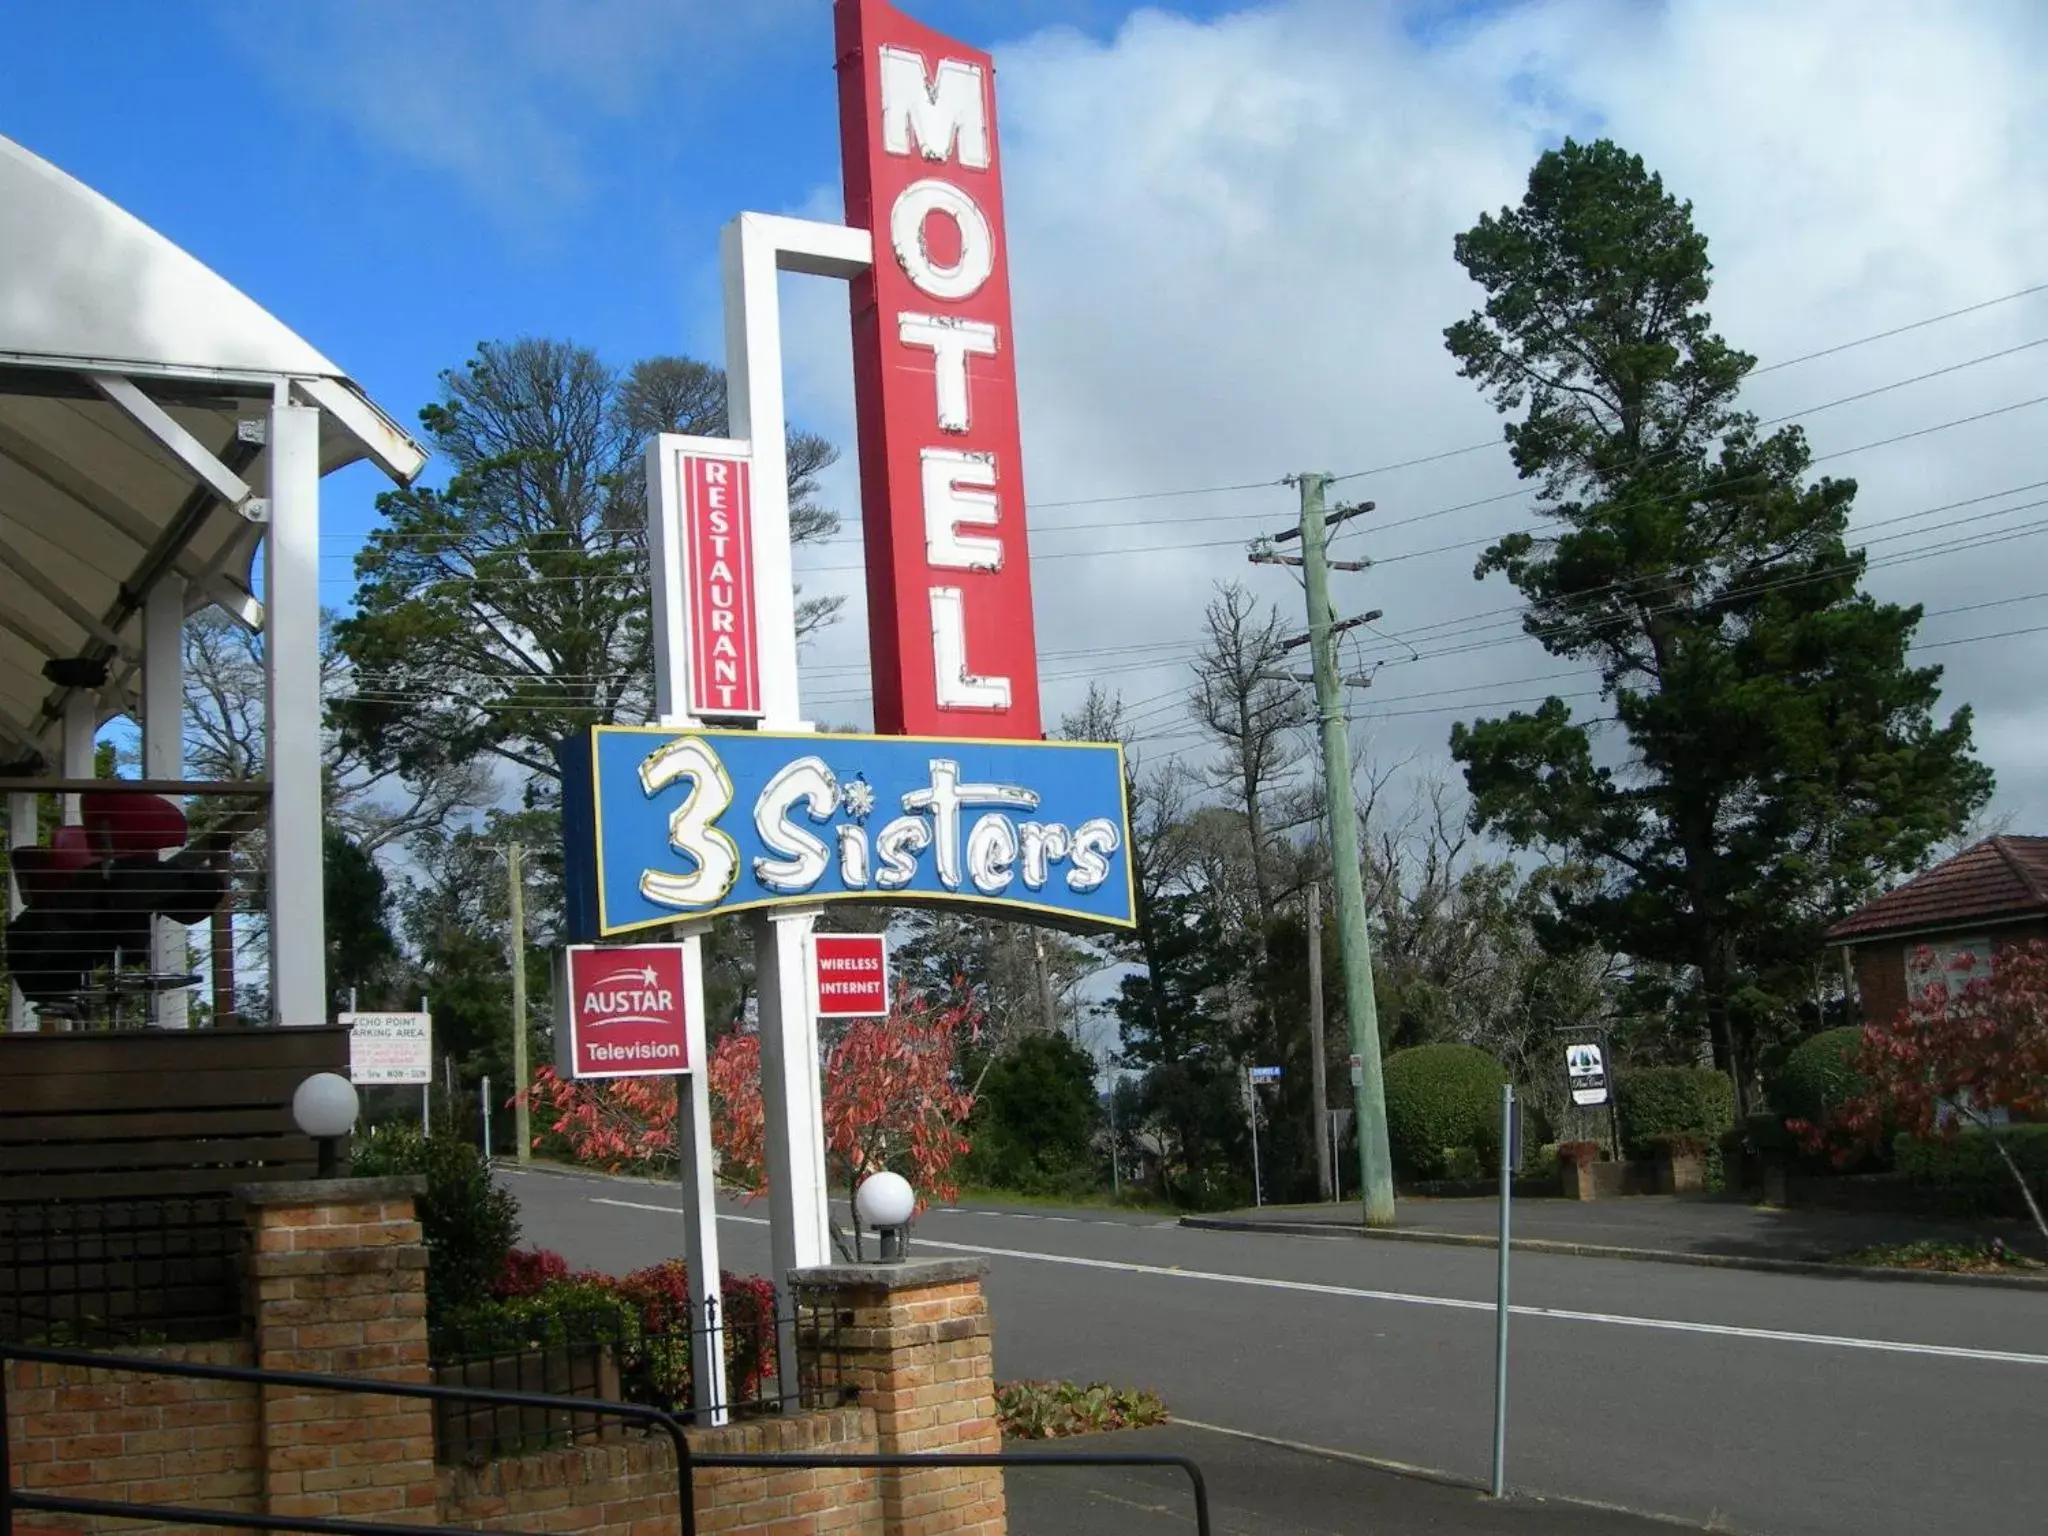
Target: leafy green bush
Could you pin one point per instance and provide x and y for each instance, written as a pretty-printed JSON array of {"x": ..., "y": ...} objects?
[
  {"x": 1443, "y": 1100},
  {"x": 1045, "y": 1410},
  {"x": 1818, "y": 1076},
  {"x": 469, "y": 1224},
  {"x": 1971, "y": 1160},
  {"x": 1666, "y": 1101},
  {"x": 1034, "y": 1121}
]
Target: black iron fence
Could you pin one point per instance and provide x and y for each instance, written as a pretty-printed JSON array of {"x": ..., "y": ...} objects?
[
  {"x": 115, "y": 1272},
  {"x": 649, "y": 1419},
  {"x": 606, "y": 1349}
]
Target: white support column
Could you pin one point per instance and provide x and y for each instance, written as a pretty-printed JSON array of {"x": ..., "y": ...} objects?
[
  {"x": 799, "y": 1230},
  {"x": 698, "y": 1164},
  {"x": 163, "y": 757},
  {"x": 755, "y": 248},
  {"x": 21, "y": 833},
  {"x": 291, "y": 611},
  {"x": 81, "y": 727}
]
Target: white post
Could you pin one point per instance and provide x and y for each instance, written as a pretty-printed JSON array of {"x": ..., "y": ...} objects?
[
  {"x": 1508, "y": 1159},
  {"x": 163, "y": 757},
  {"x": 291, "y": 621},
  {"x": 799, "y": 1216},
  {"x": 1251, "y": 1103},
  {"x": 81, "y": 728},
  {"x": 21, "y": 833},
  {"x": 754, "y": 249},
  {"x": 697, "y": 1164}
]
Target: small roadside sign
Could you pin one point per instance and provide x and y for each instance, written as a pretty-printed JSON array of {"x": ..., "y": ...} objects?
[
  {"x": 1358, "y": 1071},
  {"x": 1265, "y": 1074},
  {"x": 390, "y": 1047},
  {"x": 1587, "y": 1069}
]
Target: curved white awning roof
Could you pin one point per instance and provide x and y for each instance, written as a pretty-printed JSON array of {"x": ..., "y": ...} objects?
[{"x": 133, "y": 384}]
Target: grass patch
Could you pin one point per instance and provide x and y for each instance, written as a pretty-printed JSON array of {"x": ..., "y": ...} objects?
[
  {"x": 1051, "y": 1410},
  {"x": 1988, "y": 1258}
]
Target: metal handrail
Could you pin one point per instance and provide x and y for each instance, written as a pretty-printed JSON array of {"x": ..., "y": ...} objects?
[{"x": 687, "y": 1461}]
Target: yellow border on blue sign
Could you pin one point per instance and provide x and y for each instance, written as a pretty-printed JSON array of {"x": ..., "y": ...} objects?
[{"x": 919, "y": 898}]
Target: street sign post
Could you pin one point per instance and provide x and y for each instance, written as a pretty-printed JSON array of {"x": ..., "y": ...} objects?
[{"x": 637, "y": 1010}]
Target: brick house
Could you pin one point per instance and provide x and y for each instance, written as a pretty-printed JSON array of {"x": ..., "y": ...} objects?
[{"x": 1992, "y": 894}]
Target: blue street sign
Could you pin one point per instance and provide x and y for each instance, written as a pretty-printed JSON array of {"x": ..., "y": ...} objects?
[
  {"x": 661, "y": 825},
  {"x": 1265, "y": 1074}
]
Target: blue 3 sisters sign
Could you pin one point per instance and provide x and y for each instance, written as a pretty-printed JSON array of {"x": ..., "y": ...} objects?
[{"x": 663, "y": 824}]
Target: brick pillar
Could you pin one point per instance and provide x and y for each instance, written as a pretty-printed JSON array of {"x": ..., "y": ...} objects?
[
  {"x": 337, "y": 1286},
  {"x": 915, "y": 1342}
]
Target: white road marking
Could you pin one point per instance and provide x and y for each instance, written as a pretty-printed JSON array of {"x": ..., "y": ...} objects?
[{"x": 1452, "y": 1303}]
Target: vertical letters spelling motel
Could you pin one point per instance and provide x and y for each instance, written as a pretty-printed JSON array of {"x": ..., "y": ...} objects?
[{"x": 942, "y": 489}]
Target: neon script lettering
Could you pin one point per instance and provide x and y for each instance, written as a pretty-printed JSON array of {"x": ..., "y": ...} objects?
[{"x": 798, "y": 819}]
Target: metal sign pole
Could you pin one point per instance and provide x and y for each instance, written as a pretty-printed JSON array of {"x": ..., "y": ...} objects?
[
  {"x": 1500, "y": 1344},
  {"x": 1251, "y": 1095},
  {"x": 426, "y": 1088},
  {"x": 484, "y": 1094}
]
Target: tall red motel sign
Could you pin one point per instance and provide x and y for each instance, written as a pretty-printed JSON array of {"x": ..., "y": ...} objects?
[
  {"x": 935, "y": 385},
  {"x": 731, "y": 801}
]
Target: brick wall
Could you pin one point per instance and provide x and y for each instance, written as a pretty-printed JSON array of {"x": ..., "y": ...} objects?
[
  {"x": 916, "y": 1345},
  {"x": 144, "y": 1439},
  {"x": 630, "y": 1489},
  {"x": 337, "y": 1286},
  {"x": 1881, "y": 964}
]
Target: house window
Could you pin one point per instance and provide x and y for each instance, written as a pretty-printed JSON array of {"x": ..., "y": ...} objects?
[{"x": 1954, "y": 963}]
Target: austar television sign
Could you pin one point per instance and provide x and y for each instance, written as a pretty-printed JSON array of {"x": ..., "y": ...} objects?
[
  {"x": 626, "y": 1011},
  {"x": 664, "y": 824}
]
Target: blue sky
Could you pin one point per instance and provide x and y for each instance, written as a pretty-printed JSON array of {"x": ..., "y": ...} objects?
[
  {"x": 1230, "y": 229},
  {"x": 318, "y": 155}
]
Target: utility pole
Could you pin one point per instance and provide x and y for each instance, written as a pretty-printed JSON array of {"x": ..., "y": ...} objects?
[
  {"x": 1318, "y": 1072},
  {"x": 1046, "y": 1013},
  {"x": 1375, "y": 1166},
  {"x": 522, "y": 1129}
]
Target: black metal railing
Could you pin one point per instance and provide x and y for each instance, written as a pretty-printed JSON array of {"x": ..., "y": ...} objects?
[
  {"x": 652, "y": 1420},
  {"x": 607, "y": 1349},
  {"x": 120, "y": 1272}
]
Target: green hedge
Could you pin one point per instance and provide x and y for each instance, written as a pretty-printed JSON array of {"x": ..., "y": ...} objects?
[
  {"x": 1443, "y": 1109},
  {"x": 1818, "y": 1076},
  {"x": 1970, "y": 1161},
  {"x": 1665, "y": 1101}
]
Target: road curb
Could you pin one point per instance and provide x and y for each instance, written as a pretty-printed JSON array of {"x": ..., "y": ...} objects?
[{"x": 1815, "y": 1267}]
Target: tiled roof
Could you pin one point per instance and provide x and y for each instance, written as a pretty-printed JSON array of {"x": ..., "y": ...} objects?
[{"x": 1997, "y": 878}]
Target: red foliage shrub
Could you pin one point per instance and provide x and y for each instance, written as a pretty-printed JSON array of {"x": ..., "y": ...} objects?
[{"x": 527, "y": 1271}]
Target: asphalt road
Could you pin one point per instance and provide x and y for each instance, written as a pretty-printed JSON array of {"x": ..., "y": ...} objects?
[{"x": 1749, "y": 1402}]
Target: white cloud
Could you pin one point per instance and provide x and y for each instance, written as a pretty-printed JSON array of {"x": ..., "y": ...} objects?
[
  {"x": 499, "y": 95},
  {"x": 1232, "y": 259}
]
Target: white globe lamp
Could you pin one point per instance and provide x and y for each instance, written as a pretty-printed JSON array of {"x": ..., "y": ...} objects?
[
  {"x": 325, "y": 1106},
  {"x": 884, "y": 1203}
]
